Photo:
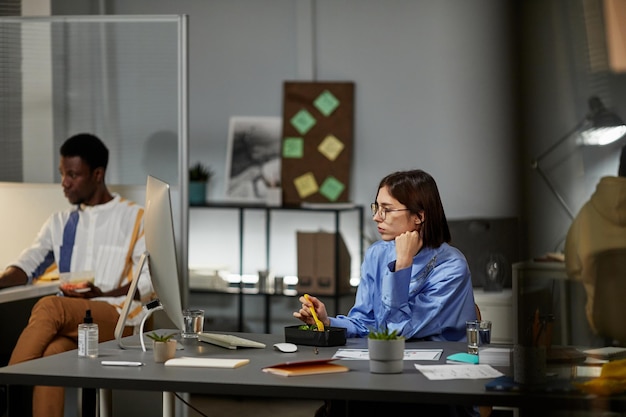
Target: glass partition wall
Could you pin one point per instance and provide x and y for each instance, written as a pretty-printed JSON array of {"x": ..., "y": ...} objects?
[{"x": 122, "y": 78}]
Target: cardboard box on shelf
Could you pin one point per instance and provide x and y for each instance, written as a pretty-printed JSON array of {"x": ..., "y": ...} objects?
[{"x": 317, "y": 260}]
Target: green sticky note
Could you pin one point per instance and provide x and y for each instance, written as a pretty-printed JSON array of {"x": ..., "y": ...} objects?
[
  {"x": 331, "y": 188},
  {"x": 326, "y": 102},
  {"x": 303, "y": 121},
  {"x": 293, "y": 148}
]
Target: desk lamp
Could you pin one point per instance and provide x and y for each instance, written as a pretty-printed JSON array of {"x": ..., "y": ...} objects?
[{"x": 599, "y": 127}]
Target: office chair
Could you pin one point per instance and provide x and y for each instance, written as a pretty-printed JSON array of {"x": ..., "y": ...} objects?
[{"x": 609, "y": 308}]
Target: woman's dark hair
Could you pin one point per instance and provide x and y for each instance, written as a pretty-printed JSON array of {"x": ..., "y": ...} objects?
[
  {"x": 89, "y": 148},
  {"x": 418, "y": 191}
]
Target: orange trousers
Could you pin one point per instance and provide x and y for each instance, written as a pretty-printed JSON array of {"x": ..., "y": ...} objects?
[{"x": 53, "y": 328}]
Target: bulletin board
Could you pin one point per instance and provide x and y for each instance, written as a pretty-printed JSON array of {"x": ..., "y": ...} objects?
[{"x": 317, "y": 141}]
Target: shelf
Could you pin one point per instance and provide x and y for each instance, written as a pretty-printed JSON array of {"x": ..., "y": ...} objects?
[{"x": 242, "y": 289}]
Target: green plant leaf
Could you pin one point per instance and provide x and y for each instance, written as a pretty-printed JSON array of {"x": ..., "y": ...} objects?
[
  {"x": 160, "y": 337},
  {"x": 200, "y": 172},
  {"x": 384, "y": 334}
]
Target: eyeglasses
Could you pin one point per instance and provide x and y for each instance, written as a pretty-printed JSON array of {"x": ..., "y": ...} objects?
[{"x": 382, "y": 211}]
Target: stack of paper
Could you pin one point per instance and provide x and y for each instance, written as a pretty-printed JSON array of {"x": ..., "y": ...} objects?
[
  {"x": 495, "y": 356},
  {"x": 607, "y": 353}
]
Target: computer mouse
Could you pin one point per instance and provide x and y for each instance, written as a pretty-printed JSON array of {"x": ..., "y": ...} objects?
[{"x": 286, "y": 347}]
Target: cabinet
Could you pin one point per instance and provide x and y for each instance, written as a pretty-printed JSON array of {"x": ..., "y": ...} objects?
[
  {"x": 259, "y": 241},
  {"x": 498, "y": 308},
  {"x": 545, "y": 286}
]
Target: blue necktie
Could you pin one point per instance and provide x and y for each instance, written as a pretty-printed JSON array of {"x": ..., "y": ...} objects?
[{"x": 69, "y": 235}]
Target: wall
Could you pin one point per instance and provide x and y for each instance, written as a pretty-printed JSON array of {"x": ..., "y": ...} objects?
[
  {"x": 433, "y": 85},
  {"x": 434, "y": 90}
]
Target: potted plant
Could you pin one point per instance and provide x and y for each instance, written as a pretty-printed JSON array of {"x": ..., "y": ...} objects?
[
  {"x": 164, "y": 347},
  {"x": 199, "y": 176},
  {"x": 386, "y": 351}
]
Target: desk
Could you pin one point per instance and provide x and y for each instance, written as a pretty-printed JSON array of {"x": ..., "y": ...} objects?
[
  {"x": 66, "y": 369},
  {"x": 23, "y": 292},
  {"x": 16, "y": 303}
]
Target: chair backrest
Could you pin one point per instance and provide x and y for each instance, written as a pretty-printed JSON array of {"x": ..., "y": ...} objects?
[{"x": 609, "y": 307}]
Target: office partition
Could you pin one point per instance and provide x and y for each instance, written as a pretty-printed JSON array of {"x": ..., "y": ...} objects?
[{"x": 122, "y": 78}]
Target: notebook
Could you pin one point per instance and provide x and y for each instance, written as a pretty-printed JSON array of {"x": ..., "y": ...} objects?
[
  {"x": 313, "y": 367},
  {"x": 207, "y": 362}
]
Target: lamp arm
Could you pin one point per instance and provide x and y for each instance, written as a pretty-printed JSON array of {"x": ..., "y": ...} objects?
[
  {"x": 538, "y": 159},
  {"x": 556, "y": 144},
  {"x": 555, "y": 192}
]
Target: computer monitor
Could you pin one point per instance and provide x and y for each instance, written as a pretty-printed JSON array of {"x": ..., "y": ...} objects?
[{"x": 160, "y": 256}]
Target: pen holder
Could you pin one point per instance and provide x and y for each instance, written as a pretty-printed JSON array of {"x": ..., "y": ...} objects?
[{"x": 529, "y": 364}]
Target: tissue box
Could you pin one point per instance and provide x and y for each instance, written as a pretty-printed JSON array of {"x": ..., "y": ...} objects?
[{"x": 331, "y": 336}]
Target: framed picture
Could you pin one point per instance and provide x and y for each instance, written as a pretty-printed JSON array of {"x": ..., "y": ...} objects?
[{"x": 253, "y": 158}]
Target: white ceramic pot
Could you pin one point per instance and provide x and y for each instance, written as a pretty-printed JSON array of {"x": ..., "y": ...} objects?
[
  {"x": 164, "y": 350},
  {"x": 386, "y": 356}
]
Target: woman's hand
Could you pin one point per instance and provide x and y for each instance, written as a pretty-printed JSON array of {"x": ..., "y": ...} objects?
[
  {"x": 408, "y": 244},
  {"x": 305, "y": 312}
]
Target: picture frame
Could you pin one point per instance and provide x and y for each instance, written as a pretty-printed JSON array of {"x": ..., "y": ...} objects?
[{"x": 253, "y": 158}]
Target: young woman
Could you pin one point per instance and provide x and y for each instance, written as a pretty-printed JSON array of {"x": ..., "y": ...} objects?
[{"x": 412, "y": 280}]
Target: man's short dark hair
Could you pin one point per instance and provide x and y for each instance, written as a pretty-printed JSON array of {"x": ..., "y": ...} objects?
[
  {"x": 89, "y": 148},
  {"x": 622, "y": 163}
]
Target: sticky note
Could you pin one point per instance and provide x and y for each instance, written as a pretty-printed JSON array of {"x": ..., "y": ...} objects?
[
  {"x": 326, "y": 103},
  {"x": 330, "y": 147},
  {"x": 463, "y": 357},
  {"x": 331, "y": 188},
  {"x": 306, "y": 185},
  {"x": 303, "y": 121},
  {"x": 293, "y": 148}
]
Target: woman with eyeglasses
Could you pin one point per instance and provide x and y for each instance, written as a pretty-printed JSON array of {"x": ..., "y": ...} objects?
[{"x": 412, "y": 280}]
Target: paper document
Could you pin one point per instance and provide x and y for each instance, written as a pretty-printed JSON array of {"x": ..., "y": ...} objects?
[
  {"x": 440, "y": 372},
  {"x": 409, "y": 354}
]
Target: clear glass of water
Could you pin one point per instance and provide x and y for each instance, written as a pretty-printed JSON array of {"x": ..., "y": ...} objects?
[{"x": 471, "y": 329}]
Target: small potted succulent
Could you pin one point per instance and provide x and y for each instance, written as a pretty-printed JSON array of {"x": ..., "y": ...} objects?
[
  {"x": 164, "y": 347},
  {"x": 386, "y": 351},
  {"x": 199, "y": 176}
]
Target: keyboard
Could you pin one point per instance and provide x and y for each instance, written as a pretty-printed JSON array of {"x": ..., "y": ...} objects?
[{"x": 229, "y": 341}]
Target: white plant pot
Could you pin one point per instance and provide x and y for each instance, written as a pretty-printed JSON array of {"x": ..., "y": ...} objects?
[
  {"x": 164, "y": 350},
  {"x": 386, "y": 356}
]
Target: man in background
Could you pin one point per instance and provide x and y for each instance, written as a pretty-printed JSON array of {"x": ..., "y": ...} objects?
[
  {"x": 94, "y": 247},
  {"x": 600, "y": 225}
]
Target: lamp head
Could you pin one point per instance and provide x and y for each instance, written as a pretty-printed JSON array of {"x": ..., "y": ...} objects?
[{"x": 604, "y": 126}]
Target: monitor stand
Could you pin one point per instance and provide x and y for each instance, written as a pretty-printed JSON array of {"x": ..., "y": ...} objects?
[{"x": 121, "y": 322}]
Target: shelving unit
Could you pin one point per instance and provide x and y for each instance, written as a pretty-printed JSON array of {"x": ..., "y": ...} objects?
[{"x": 268, "y": 294}]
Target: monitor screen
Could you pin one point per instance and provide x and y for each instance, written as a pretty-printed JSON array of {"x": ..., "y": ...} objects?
[{"x": 160, "y": 256}]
